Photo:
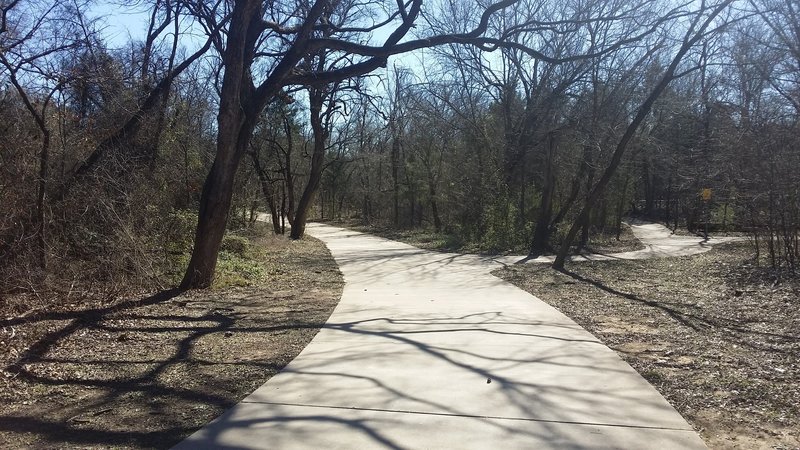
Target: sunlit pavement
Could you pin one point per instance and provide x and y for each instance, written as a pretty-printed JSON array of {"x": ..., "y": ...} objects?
[
  {"x": 658, "y": 240},
  {"x": 429, "y": 350}
]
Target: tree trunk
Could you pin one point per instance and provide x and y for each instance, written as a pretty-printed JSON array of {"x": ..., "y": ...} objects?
[
  {"x": 240, "y": 105},
  {"x": 437, "y": 221},
  {"x": 288, "y": 176},
  {"x": 649, "y": 189},
  {"x": 541, "y": 234},
  {"x": 316, "y": 100},
  {"x": 268, "y": 191},
  {"x": 584, "y": 239},
  {"x": 575, "y": 189},
  {"x": 621, "y": 208},
  {"x": 215, "y": 205},
  {"x": 668, "y": 212},
  {"x": 412, "y": 201},
  {"x": 44, "y": 161},
  {"x": 396, "y": 180},
  {"x": 283, "y": 211},
  {"x": 235, "y": 127}
]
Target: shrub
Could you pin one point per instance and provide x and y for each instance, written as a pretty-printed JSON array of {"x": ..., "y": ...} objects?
[{"x": 236, "y": 245}]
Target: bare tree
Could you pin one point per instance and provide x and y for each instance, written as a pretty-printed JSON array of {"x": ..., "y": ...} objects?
[
  {"x": 275, "y": 134},
  {"x": 273, "y": 40},
  {"x": 155, "y": 83},
  {"x": 782, "y": 18},
  {"x": 699, "y": 27},
  {"x": 31, "y": 51}
]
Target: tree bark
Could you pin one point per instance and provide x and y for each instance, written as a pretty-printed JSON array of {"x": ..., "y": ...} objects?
[
  {"x": 541, "y": 234},
  {"x": 268, "y": 191},
  {"x": 241, "y": 103},
  {"x": 233, "y": 136},
  {"x": 575, "y": 189},
  {"x": 437, "y": 220},
  {"x": 44, "y": 162},
  {"x": 316, "y": 100},
  {"x": 649, "y": 188},
  {"x": 396, "y": 179},
  {"x": 215, "y": 205},
  {"x": 288, "y": 175}
]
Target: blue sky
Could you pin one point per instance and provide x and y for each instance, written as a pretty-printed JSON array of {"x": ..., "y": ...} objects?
[{"x": 120, "y": 24}]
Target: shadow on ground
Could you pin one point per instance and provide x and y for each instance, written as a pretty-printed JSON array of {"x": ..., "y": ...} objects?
[{"x": 146, "y": 372}]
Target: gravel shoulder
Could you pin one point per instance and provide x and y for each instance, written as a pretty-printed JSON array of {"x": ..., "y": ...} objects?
[
  {"x": 146, "y": 371},
  {"x": 717, "y": 336}
]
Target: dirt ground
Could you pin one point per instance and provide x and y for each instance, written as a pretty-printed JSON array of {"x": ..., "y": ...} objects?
[
  {"x": 145, "y": 372},
  {"x": 717, "y": 336}
]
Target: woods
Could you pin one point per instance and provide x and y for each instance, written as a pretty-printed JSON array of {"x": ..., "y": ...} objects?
[
  {"x": 162, "y": 162},
  {"x": 519, "y": 125}
]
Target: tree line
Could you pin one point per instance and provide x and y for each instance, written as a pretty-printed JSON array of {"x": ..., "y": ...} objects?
[{"x": 531, "y": 124}]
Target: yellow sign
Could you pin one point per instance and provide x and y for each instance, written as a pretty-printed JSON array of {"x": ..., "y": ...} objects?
[{"x": 706, "y": 194}]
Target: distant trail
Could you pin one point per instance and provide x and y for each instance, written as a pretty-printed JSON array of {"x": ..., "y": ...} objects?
[{"x": 658, "y": 240}]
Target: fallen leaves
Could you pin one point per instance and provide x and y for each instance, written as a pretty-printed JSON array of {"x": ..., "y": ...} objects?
[{"x": 716, "y": 336}]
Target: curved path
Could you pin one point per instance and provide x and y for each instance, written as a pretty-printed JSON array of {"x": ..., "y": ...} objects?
[
  {"x": 428, "y": 350},
  {"x": 658, "y": 240}
]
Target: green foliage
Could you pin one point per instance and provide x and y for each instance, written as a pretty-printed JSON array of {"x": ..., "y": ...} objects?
[
  {"x": 723, "y": 215},
  {"x": 240, "y": 263},
  {"x": 453, "y": 241},
  {"x": 239, "y": 270},
  {"x": 503, "y": 232},
  {"x": 178, "y": 233},
  {"x": 234, "y": 245},
  {"x": 432, "y": 240}
]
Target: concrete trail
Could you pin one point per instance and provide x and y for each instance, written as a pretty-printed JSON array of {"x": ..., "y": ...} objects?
[
  {"x": 658, "y": 240},
  {"x": 429, "y": 351}
]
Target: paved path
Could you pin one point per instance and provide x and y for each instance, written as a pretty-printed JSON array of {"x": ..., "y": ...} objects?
[
  {"x": 658, "y": 240},
  {"x": 429, "y": 351}
]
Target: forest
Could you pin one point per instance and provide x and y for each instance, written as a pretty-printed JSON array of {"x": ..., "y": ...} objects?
[
  {"x": 160, "y": 161},
  {"x": 516, "y": 125}
]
